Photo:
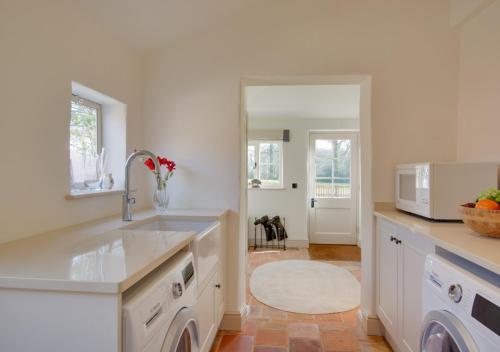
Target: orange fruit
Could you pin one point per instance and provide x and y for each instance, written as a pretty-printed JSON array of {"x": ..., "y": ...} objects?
[{"x": 487, "y": 204}]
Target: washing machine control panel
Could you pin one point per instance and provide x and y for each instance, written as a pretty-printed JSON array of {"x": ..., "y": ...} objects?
[{"x": 487, "y": 313}]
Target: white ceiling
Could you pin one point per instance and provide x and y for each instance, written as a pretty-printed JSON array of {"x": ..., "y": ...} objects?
[
  {"x": 151, "y": 24},
  {"x": 312, "y": 101}
]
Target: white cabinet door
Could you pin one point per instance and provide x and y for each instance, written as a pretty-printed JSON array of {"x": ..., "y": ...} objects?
[
  {"x": 219, "y": 299},
  {"x": 387, "y": 307},
  {"x": 206, "y": 310},
  {"x": 412, "y": 271}
]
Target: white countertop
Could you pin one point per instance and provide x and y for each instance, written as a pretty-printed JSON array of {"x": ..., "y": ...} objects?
[
  {"x": 454, "y": 237},
  {"x": 98, "y": 256}
]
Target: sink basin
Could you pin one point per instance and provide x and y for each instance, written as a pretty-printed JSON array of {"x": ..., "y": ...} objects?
[{"x": 206, "y": 246}]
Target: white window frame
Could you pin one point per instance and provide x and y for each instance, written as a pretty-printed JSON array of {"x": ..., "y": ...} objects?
[
  {"x": 256, "y": 144},
  {"x": 92, "y": 104}
]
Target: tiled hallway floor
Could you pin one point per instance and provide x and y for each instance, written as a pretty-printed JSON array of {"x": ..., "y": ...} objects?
[{"x": 272, "y": 330}]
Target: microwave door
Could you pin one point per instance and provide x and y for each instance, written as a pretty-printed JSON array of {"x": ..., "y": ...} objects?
[{"x": 406, "y": 189}]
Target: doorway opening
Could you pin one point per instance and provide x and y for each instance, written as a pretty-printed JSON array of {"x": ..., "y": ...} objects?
[
  {"x": 298, "y": 154},
  {"x": 302, "y": 163}
]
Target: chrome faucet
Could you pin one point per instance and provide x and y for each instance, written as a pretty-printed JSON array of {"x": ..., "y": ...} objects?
[{"x": 127, "y": 200}]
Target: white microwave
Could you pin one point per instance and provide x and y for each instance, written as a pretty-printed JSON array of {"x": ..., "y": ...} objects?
[{"x": 435, "y": 190}]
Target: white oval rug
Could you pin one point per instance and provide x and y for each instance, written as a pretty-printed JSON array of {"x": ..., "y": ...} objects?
[{"x": 305, "y": 286}]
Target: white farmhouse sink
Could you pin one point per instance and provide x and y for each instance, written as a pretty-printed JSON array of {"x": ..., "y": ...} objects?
[
  {"x": 164, "y": 223},
  {"x": 206, "y": 246}
]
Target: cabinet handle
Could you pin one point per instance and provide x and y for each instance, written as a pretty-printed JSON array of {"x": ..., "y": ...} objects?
[
  {"x": 395, "y": 239},
  {"x": 217, "y": 286}
]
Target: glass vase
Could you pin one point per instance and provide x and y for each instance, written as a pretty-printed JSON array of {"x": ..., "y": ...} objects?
[{"x": 161, "y": 198}]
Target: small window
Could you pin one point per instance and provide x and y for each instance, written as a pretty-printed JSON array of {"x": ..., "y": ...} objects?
[
  {"x": 265, "y": 160},
  {"x": 85, "y": 143}
]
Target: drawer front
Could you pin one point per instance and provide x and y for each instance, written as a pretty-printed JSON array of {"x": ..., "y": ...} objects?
[{"x": 207, "y": 249}]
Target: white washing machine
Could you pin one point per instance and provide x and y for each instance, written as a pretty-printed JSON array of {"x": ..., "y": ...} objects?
[
  {"x": 158, "y": 313},
  {"x": 461, "y": 310}
]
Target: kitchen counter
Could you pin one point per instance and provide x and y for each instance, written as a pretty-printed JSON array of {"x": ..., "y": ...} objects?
[
  {"x": 453, "y": 237},
  {"x": 98, "y": 257}
]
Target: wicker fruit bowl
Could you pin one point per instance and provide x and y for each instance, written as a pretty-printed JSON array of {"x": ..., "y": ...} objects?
[{"x": 483, "y": 221}]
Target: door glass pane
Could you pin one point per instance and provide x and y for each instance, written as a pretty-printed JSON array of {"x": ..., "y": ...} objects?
[
  {"x": 342, "y": 168},
  {"x": 333, "y": 168},
  {"x": 437, "y": 338},
  {"x": 184, "y": 342},
  {"x": 324, "y": 165}
]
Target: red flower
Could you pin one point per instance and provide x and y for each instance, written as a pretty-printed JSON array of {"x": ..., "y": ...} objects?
[
  {"x": 170, "y": 165},
  {"x": 163, "y": 161},
  {"x": 150, "y": 164}
]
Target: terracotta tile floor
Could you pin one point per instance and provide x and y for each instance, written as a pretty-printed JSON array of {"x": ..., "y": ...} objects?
[{"x": 271, "y": 330}]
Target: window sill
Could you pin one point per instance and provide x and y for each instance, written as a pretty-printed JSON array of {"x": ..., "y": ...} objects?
[
  {"x": 79, "y": 194},
  {"x": 267, "y": 188}
]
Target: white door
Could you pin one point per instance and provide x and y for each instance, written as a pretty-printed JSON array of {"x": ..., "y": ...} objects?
[
  {"x": 412, "y": 270},
  {"x": 333, "y": 184},
  {"x": 387, "y": 270},
  {"x": 206, "y": 310}
]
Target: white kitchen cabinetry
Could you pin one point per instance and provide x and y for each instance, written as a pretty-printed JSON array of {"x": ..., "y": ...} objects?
[{"x": 400, "y": 268}]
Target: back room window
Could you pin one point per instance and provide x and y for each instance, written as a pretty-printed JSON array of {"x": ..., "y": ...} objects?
[
  {"x": 265, "y": 163},
  {"x": 85, "y": 141}
]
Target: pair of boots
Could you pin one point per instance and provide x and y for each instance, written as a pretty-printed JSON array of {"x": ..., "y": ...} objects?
[{"x": 268, "y": 224}]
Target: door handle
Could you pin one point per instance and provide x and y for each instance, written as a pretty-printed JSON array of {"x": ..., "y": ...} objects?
[
  {"x": 312, "y": 202},
  {"x": 395, "y": 239}
]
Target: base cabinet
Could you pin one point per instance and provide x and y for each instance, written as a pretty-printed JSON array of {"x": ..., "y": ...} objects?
[
  {"x": 210, "y": 309},
  {"x": 400, "y": 274}
]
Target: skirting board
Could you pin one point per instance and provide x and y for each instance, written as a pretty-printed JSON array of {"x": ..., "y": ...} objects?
[
  {"x": 391, "y": 342},
  {"x": 371, "y": 324},
  {"x": 234, "y": 320},
  {"x": 289, "y": 243}
]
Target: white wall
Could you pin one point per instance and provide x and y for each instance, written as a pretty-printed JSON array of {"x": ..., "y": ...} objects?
[
  {"x": 192, "y": 93},
  {"x": 462, "y": 10},
  {"x": 288, "y": 202},
  {"x": 44, "y": 46},
  {"x": 479, "y": 97}
]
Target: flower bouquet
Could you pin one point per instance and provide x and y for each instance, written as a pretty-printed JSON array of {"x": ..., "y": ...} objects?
[{"x": 161, "y": 197}]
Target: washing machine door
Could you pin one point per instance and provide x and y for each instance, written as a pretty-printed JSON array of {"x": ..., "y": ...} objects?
[
  {"x": 182, "y": 336},
  {"x": 443, "y": 332}
]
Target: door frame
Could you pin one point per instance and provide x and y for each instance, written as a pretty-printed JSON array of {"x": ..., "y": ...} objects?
[
  {"x": 354, "y": 186},
  {"x": 367, "y": 314}
]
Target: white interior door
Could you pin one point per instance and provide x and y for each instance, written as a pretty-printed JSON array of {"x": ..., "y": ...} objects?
[{"x": 333, "y": 185}]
